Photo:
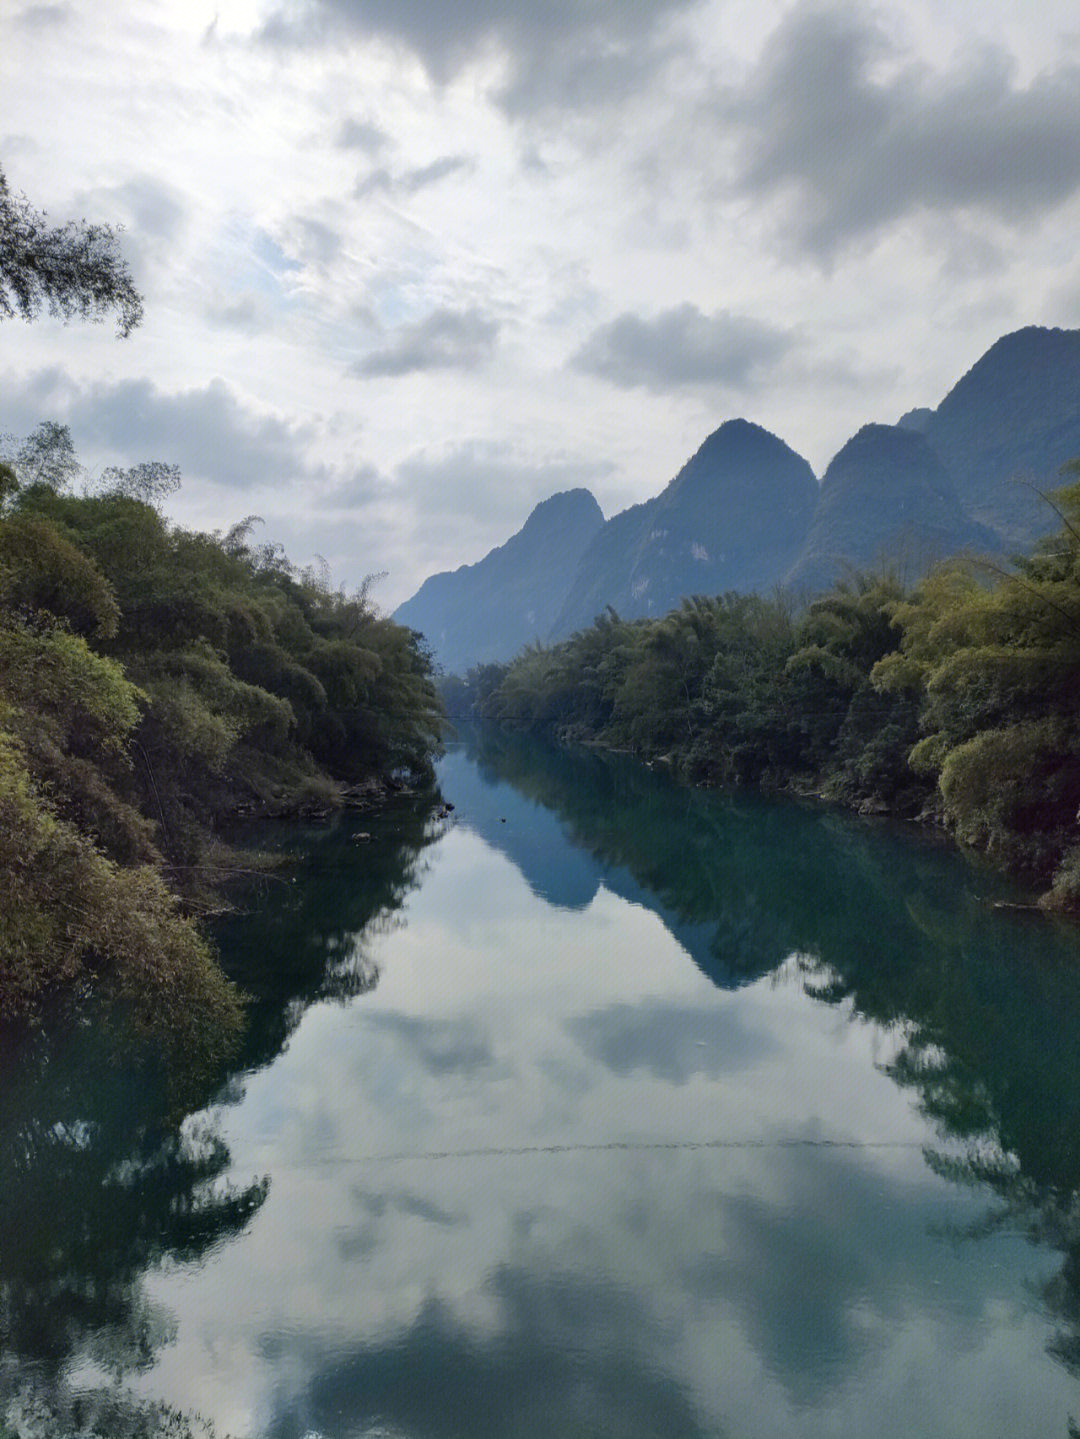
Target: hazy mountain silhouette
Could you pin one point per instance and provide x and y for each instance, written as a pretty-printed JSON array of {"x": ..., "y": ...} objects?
[
  {"x": 489, "y": 610},
  {"x": 745, "y": 513},
  {"x": 733, "y": 518},
  {"x": 885, "y": 497},
  {"x": 1014, "y": 416}
]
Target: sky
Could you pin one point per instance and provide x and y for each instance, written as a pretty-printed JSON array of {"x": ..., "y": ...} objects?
[{"x": 411, "y": 266}]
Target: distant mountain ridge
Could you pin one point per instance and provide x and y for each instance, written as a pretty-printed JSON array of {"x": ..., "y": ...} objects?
[
  {"x": 733, "y": 518},
  {"x": 488, "y": 610},
  {"x": 746, "y": 512},
  {"x": 1014, "y": 417},
  {"x": 885, "y": 495}
]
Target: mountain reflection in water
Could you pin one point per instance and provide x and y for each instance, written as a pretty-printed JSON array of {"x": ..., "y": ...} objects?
[{"x": 496, "y": 1159}]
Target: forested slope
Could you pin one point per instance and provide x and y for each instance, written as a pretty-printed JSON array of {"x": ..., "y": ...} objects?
[
  {"x": 956, "y": 700},
  {"x": 156, "y": 683}
]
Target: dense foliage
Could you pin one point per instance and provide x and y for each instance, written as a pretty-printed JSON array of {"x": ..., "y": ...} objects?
[
  {"x": 957, "y": 700},
  {"x": 69, "y": 270},
  {"x": 156, "y": 683}
]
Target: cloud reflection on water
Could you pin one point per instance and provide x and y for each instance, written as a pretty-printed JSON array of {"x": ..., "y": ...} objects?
[{"x": 514, "y": 1276}]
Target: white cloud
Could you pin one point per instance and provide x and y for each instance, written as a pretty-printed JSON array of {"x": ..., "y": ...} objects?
[
  {"x": 369, "y": 252},
  {"x": 362, "y": 135},
  {"x": 489, "y": 482},
  {"x": 557, "y": 55},
  {"x": 209, "y": 432}
]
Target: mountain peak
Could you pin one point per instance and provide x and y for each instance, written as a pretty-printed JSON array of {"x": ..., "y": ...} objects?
[
  {"x": 874, "y": 437},
  {"x": 1014, "y": 417},
  {"x": 745, "y": 511},
  {"x": 489, "y": 610},
  {"x": 733, "y": 518},
  {"x": 885, "y": 497},
  {"x": 566, "y": 507},
  {"x": 737, "y": 439}
]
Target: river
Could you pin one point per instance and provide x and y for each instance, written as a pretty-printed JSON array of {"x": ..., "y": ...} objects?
[{"x": 598, "y": 1107}]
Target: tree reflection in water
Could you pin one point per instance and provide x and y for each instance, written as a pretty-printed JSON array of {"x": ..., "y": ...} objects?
[
  {"x": 103, "y": 1177},
  {"x": 985, "y": 1002},
  {"x": 104, "y": 1181}
]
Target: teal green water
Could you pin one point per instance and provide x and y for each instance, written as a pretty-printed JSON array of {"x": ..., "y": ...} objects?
[{"x": 602, "y": 1108}]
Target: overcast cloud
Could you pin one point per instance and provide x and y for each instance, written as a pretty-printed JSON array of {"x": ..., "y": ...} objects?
[
  {"x": 566, "y": 52},
  {"x": 855, "y": 134},
  {"x": 408, "y": 182},
  {"x": 683, "y": 347},
  {"x": 502, "y": 481},
  {"x": 210, "y": 433},
  {"x": 37, "y": 17},
  {"x": 445, "y": 339},
  {"x": 410, "y": 267},
  {"x": 362, "y": 135}
]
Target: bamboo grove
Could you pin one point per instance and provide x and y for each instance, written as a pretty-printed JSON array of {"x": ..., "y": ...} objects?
[{"x": 155, "y": 684}]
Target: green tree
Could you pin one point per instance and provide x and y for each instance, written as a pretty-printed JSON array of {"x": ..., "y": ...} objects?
[
  {"x": 45, "y": 457},
  {"x": 995, "y": 655},
  {"x": 152, "y": 482},
  {"x": 154, "y": 682},
  {"x": 69, "y": 270}
]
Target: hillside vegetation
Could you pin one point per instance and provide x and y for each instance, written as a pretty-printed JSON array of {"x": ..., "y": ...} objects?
[
  {"x": 155, "y": 684},
  {"x": 955, "y": 700}
]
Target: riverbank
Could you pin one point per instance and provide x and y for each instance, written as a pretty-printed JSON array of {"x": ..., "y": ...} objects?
[
  {"x": 158, "y": 686},
  {"x": 926, "y": 816},
  {"x": 955, "y": 701}
]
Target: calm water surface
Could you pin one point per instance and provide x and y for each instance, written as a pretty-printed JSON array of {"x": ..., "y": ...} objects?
[{"x": 604, "y": 1108}]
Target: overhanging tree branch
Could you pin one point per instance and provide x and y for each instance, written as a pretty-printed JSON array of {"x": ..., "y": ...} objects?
[{"x": 71, "y": 270}]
